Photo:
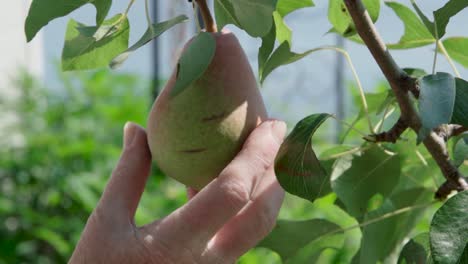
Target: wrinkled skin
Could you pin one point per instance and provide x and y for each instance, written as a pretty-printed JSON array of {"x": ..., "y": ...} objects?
[{"x": 195, "y": 134}]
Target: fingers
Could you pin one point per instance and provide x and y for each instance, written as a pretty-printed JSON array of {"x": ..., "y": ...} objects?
[
  {"x": 251, "y": 225},
  {"x": 224, "y": 197},
  {"x": 123, "y": 192},
  {"x": 191, "y": 192}
]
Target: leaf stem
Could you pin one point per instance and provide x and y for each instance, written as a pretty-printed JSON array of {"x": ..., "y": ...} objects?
[
  {"x": 437, "y": 47},
  {"x": 361, "y": 89},
  {"x": 425, "y": 164},
  {"x": 358, "y": 81},
  {"x": 388, "y": 112},
  {"x": 351, "y": 126},
  {"x": 449, "y": 59},
  {"x": 130, "y": 4},
  {"x": 344, "y": 153},
  {"x": 210, "y": 25},
  {"x": 380, "y": 218},
  {"x": 148, "y": 17}
]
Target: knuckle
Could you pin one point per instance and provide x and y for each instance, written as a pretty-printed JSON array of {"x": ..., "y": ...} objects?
[
  {"x": 259, "y": 158},
  {"x": 235, "y": 193}
]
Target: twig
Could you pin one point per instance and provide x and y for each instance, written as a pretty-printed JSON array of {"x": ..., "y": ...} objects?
[
  {"x": 449, "y": 59},
  {"x": 210, "y": 25},
  {"x": 447, "y": 187},
  {"x": 391, "y": 135},
  {"x": 434, "y": 63},
  {"x": 448, "y": 131},
  {"x": 455, "y": 130},
  {"x": 401, "y": 84}
]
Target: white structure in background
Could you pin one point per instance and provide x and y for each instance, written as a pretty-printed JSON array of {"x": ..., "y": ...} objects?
[{"x": 15, "y": 54}]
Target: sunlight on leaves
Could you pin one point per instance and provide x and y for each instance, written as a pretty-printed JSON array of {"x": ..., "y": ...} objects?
[
  {"x": 151, "y": 33},
  {"x": 42, "y": 12},
  {"x": 90, "y": 47},
  {"x": 416, "y": 34}
]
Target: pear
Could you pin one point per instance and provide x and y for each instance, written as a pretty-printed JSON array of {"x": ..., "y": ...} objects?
[{"x": 195, "y": 134}]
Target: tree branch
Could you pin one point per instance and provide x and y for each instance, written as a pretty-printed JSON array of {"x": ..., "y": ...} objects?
[
  {"x": 448, "y": 131},
  {"x": 455, "y": 130},
  {"x": 401, "y": 85}
]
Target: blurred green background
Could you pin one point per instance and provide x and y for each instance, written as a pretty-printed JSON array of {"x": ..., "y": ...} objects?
[{"x": 67, "y": 143}]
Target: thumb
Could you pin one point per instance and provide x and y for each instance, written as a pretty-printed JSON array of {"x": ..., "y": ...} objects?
[{"x": 128, "y": 180}]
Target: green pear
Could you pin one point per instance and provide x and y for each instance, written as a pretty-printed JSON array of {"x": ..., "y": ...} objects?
[{"x": 195, "y": 134}]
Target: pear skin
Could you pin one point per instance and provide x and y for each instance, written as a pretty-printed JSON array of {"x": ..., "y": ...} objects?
[{"x": 194, "y": 135}]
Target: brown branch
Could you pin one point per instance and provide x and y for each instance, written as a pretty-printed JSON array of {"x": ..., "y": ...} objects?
[
  {"x": 401, "y": 85},
  {"x": 447, "y": 187},
  {"x": 210, "y": 25},
  {"x": 448, "y": 131},
  {"x": 391, "y": 135},
  {"x": 456, "y": 130}
]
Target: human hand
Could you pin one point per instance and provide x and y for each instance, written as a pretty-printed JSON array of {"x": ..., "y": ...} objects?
[{"x": 218, "y": 225}]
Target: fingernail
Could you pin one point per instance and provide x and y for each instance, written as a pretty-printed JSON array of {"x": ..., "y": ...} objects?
[
  {"x": 278, "y": 129},
  {"x": 130, "y": 130}
]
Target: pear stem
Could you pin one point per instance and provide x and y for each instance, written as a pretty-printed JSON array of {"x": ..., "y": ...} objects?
[{"x": 210, "y": 25}]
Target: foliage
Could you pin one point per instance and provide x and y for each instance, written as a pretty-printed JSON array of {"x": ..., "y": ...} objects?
[
  {"x": 385, "y": 186},
  {"x": 70, "y": 140}
]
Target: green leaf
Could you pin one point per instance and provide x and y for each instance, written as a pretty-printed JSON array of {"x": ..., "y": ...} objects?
[
  {"x": 456, "y": 48},
  {"x": 282, "y": 56},
  {"x": 297, "y": 168},
  {"x": 194, "y": 61},
  {"x": 460, "y": 109},
  {"x": 415, "y": 72},
  {"x": 92, "y": 47},
  {"x": 283, "y": 32},
  {"x": 341, "y": 20},
  {"x": 151, "y": 33},
  {"x": 382, "y": 237},
  {"x": 443, "y": 15},
  {"x": 416, "y": 34},
  {"x": 373, "y": 8},
  {"x": 255, "y": 16},
  {"x": 416, "y": 251},
  {"x": 429, "y": 24},
  {"x": 339, "y": 17},
  {"x": 357, "y": 178},
  {"x": 449, "y": 231},
  {"x": 285, "y": 7},
  {"x": 311, "y": 252},
  {"x": 460, "y": 150},
  {"x": 265, "y": 50},
  {"x": 42, "y": 12},
  {"x": 280, "y": 31},
  {"x": 224, "y": 12},
  {"x": 288, "y": 237},
  {"x": 436, "y": 102}
]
